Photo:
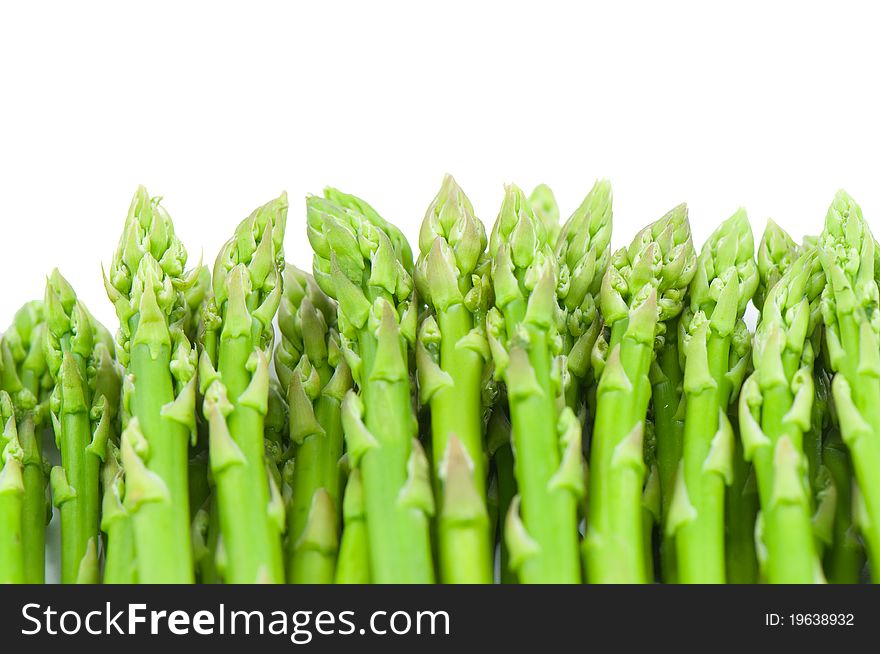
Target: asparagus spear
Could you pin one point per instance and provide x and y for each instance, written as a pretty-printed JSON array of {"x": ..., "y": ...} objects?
[
  {"x": 311, "y": 367},
  {"x": 776, "y": 252},
  {"x": 353, "y": 566},
  {"x": 500, "y": 450},
  {"x": 12, "y": 558},
  {"x": 546, "y": 210},
  {"x": 774, "y": 412},
  {"x": 120, "y": 566},
  {"x": 643, "y": 288},
  {"x": 667, "y": 400},
  {"x": 724, "y": 282},
  {"x": 206, "y": 541},
  {"x": 583, "y": 253},
  {"x": 234, "y": 377},
  {"x": 146, "y": 284},
  {"x": 524, "y": 337},
  {"x": 78, "y": 357},
  {"x": 844, "y": 559},
  {"x": 848, "y": 254},
  {"x": 25, "y": 377},
  {"x": 364, "y": 264},
  {"x": 451, "y": 275}
]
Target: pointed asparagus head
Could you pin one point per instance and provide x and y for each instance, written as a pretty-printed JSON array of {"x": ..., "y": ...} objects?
[
  {"x": 70, "y": 327},
  {"x": 726, "y": 274},
  {"x": 544, "y": 206},
  {"x": 582, "y": 247},
  {"x": 658, "y": 266},
  {"x": 776, "y": 252},
  {"x": 452, "y": 243},
  {"x": 525, "y": 276},
  {"x": 247, "y": 277},
  {"x": 849, "y": 252},
  {"x": 362, "y": 208},
  {"x": 146, "y": 281},
  {"x": 306, "y": 318},
  {"x": 23, "y": 370},
  {"x": 359, "y": 259},
  {"x": 789, "y": 316}
]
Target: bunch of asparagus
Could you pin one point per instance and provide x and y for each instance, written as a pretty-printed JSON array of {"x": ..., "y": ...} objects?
[{"x": 524, "y": 406}]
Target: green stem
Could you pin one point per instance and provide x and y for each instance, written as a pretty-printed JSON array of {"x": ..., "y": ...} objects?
[
  {"x": 120, "y": 566},
  {"x": 864, "y": 449},
  {"x": 12, "y": 569},
  {"x": 614, "y": 544},
  {"x": 253, "y": 544},
  {"x": 457, "y": 410},
  {"x": 700, "y": 541},
  {"x": 91, "y": 514},
  {"x": 317, "y": 548},
  {"x": 162, "y": 529},
  {"x": 866, "y": 462},
  {"x": 399, "y": 542},
  {"x": 312, "y": 566},
  {"x": 788, "y": 529},
  {"x": 845, "y": 558},
  {"x": 742, "y": 511},
  {"x": 668, "y": 429},
  {"x": 506, "y": 493},
  {"x": 208, "y": 573},
  {"x": 353, "y": 565},
  {"x": 648, "y": 523},
  {"x": 317, "y": 466},
  {"x": 465, "y": 551},
  {"x": 33, "y": 503},
  {"x": 549, "y": 514},
  {"x": 76, "y": 436}
]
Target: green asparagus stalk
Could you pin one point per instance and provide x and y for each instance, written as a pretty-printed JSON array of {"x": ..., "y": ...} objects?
[
  {"x": 667, "y": 400},
  {"x": 849, "y": 254},
  {"x": 650, "y": 499},
  {"x": 724, "y": 282},
  {"x": 835, "y": 521},
  {"x": 774, "y": 412},
  {"x": 12, "y": 558},
  {"x": 451, "y": 276},
  {"x": 25, "y": 376},
  {"x": 524, "y": 337},
  {"x": 310, "y": 366},
  {"x": 823, "y": 490},
  {"x": 643, "y": 288},
  {"x": 78, "y": 357},
  {"x": 353, "y": 566},
  {"x": 146, "y": 284},
  {"x": 364, "y": 264},
  {"x": 504, "y": 481},
  {"x": 741, "y": 501},
  {"x": 776, "y": 252},
  {"x": 120, "y": 566},
  {"x": 206, "y": 540},
  {"x": 845, "y": 557},
  {"x": 234, "y": 378},
  {"x": 742, "y": 514},
  {"x": 202, "y": 327}
]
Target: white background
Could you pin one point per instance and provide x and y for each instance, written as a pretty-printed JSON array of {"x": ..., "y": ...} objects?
[{"x": 772, "y": 106}]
